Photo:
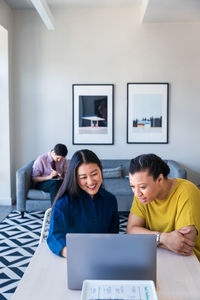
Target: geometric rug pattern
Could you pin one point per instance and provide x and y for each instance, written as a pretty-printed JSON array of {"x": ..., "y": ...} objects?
[{"x": 19, "y": 239}]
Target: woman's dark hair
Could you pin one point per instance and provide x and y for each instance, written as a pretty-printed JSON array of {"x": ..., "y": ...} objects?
[
  {"x": 151, "y": 162},
  {"x": 70, "y": 185}
]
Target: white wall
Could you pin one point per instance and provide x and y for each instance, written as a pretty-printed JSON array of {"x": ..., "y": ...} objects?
[
  {"x": 6, "y": 160},
  {"x": 104, "y": 45},
  {"x": 5, "y": 194},
  {"x": 5, "y": 15}
]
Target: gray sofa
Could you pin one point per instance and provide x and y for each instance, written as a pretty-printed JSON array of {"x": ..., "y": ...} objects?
[{"x": 115, "y": 173}]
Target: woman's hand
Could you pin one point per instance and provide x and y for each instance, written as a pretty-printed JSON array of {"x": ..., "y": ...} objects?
[
  {"x": 63, "y": 252},
  {"x": 177, "y": 242}
]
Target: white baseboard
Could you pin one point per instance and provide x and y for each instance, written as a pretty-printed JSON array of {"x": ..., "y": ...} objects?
[{"x": 6, "y": 201}]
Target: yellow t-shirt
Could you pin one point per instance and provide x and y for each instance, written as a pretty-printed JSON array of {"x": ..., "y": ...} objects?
[{"x": 181, "y": 208}]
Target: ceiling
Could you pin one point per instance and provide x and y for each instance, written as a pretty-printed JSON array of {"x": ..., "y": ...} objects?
[
  {"x": 20, "y": 4},
  {"x": 172, "y": 11},
  {"x": 155, "y": 10}
]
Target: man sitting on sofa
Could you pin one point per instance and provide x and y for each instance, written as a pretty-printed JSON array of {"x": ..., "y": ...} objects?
[{"x": 49, "y": 170}]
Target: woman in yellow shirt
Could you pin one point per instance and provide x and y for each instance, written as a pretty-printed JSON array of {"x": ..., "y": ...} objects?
[{"x": 167, "y": 207}]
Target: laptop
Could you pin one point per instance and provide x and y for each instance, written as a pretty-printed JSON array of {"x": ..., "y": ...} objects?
[{"x": 110, "y": 257}]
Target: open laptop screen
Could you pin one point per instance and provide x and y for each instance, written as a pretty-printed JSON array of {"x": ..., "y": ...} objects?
[{"x": 111, "y": 257}]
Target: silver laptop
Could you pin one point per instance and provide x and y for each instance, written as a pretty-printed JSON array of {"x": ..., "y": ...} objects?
[{"x": 111, "y": 257}]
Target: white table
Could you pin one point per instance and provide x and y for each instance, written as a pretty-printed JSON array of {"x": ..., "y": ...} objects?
[{"x": 178, "y": 277}]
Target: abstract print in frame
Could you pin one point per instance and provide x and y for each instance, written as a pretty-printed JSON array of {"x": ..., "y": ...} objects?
[
  {"x": 147, "y": 113},
  {"x": 93, "y": 106}
]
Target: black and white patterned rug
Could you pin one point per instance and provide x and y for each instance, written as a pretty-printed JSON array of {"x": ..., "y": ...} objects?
[{"x": 19, "y": 239}]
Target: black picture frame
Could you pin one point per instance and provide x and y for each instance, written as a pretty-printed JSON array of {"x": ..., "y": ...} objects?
[
  {"x": 93, "y": 114},
  {"x": 147, "y": 112}
]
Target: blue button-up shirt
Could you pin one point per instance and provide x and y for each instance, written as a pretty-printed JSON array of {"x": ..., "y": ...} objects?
[{"x": 82, "y": 215}]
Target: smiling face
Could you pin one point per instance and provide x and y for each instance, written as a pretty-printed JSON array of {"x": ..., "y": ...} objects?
[
  {"x": 89, "y": 178},
  {"x": 145, "y": 188}
]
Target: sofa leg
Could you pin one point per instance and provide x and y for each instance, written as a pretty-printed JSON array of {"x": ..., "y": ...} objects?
[{"x": 22, "y": 214}]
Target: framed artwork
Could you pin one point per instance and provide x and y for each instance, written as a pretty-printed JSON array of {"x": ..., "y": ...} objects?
[
  {"x": 93, "y": 107},
  {"x": 147, "y": 113}
]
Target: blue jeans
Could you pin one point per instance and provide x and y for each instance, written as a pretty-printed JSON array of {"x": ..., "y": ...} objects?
[{"x": 49, "y": 186}]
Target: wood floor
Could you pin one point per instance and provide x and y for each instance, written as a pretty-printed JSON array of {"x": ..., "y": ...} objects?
[{"x": 5, "y": 210}]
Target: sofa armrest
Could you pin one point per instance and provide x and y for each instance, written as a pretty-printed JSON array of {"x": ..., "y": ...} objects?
[
  {"x": 176, "y": 170},
  {"x": 23, "y": 184}
]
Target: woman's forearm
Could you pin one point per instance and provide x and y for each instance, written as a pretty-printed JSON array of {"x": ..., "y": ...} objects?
[{"x": 139, "y": 230}]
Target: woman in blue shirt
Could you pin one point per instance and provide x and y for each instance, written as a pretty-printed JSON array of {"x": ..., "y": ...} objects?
[{"x": 82, "y": 205}]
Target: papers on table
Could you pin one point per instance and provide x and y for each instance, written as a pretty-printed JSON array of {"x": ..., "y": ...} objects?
[{"x": 118, "y": 290}]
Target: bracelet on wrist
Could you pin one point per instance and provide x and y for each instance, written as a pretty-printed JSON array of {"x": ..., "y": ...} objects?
[{"x": 158, "y": 238}]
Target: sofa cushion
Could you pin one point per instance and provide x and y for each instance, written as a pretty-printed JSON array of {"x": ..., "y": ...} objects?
[
  {"x": 118, "y": 186},
  {"x": 38, "y": 194},
  {"x": 114, "y": 163},
  {"x": 112, "y": 172}
]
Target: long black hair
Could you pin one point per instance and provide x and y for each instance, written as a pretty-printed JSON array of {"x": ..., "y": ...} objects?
[
  {"x": 150, "y": 162},
  {"x": 70, "y": 185}
]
